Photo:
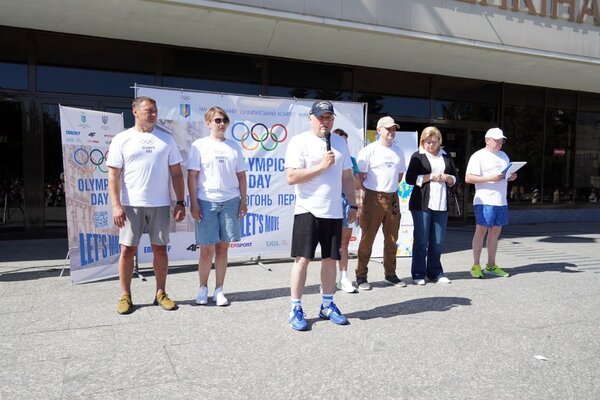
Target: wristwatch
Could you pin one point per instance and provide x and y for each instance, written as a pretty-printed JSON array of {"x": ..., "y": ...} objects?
[
  {"x": 354, "y": 207},
  {"x": 181, "y": 203}
]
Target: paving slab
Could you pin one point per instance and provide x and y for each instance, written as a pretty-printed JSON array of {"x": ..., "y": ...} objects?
[{"x": 533, "y": 335}]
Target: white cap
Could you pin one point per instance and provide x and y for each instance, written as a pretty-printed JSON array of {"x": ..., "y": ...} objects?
[
  {"x": 495, "y": 133},
  {"x": 387, "y": 122}
]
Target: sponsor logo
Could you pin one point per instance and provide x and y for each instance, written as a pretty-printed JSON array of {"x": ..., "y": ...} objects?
[
  {"x": 185, "y": 97},
  {"x": 83, "y": 118},
  {"x": 148, "y": 249},
  {"x": 259, "y": 135},
  {"x": 75, "y": 133},
  {"x": 105, "y": 119},
  {"x": 185, "y": 110},
  {"x": 238, "y": 245},
  {"x": 92, "y": 134}
]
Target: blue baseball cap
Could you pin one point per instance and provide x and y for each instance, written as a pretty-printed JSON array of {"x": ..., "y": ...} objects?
[{"x": 321, "y": 107}]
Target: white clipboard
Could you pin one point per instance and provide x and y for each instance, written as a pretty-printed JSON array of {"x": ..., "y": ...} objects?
[{"x": 513, "y": 167}]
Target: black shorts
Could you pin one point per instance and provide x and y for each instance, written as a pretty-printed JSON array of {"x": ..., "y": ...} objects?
[{"x": 309, "y": 231}]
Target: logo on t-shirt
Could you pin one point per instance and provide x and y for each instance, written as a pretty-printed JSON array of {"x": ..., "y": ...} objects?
[{"x": 148, "y": 145}]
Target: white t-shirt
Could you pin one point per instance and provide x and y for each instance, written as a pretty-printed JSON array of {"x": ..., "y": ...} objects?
[
  {"x": 321, "y": 195},
  {"x": 484, "y": 163},
  {"x": 437, "y": 190},
  {"x": 218, "y": 162},
  {"x": 144, "y": 159},
  {"x": 382, "y": 166}
]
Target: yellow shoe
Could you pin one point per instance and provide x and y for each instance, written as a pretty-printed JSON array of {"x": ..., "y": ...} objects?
[
  {"x": 164, "y": 301},
  {"x": 476, "y": 271},
  {"x": 496, "y": 271},
  {"x": 125, "y": 305}
]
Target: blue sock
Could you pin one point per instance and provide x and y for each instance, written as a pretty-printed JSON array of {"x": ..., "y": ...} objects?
[{"x": 327, "y": 300}]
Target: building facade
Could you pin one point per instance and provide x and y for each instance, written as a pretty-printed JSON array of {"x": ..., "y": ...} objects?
[{"x": 530, "y": 67}]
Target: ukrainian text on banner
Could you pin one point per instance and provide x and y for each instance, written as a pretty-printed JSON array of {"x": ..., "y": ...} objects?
[
  {"x": 263, "y": 127},
  {"x": 93, "y": 238},
  {"x": 407, "y": 142}
]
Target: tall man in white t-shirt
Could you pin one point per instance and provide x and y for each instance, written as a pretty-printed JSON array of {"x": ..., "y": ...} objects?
[
  {"x": 381, "y": 165},
  {"x": 484, "y": 170},
  {"x": 140, "y": 161},
  {"x": 319, "y": 175}
]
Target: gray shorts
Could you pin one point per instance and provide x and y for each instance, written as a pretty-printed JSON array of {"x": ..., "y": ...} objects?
[{"x": 156, "y": 220}]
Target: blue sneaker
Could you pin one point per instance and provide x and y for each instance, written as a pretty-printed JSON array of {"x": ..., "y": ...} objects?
[
  {"x": 296, "y": 319},
  {"x": 333, "y": 314}
]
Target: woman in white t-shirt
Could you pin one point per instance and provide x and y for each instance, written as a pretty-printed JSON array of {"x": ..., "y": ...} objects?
[
  {"x": 432, "y": 171},
  {"x": 217, "y": 186}
]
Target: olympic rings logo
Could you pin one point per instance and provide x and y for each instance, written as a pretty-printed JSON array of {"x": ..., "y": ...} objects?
[
  {"x": 95, "y": 157},
  {"x": 266, "y": 138}
]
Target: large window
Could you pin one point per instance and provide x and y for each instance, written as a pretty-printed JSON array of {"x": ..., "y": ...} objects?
[
  {"x": 559, "y": 157},
  {"x": 13, "y": 59},
  {"x": 524, "y": 128},
  {"x": 211, "y": 71},
  {"x": 72, "y": 64},
  {"x": 309, "y": 80},
  {"x": 465, "y": 100},
  {"x": 587, "y": 158}
]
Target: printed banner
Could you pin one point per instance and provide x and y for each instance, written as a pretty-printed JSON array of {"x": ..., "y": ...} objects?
[
  {"x": 263, "y": 128},
  {"x": 93, "y": 238}
]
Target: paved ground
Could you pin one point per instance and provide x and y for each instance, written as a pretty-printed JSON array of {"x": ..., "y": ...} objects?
[{"x": 534, "y": 335}]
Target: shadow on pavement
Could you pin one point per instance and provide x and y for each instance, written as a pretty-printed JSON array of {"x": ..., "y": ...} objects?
[
  {"x": 414, "y": 306},
  {"x": 543, "y": 267},
  {"x": 25, "y": 275},
  {"x": 567, "y": 239}
]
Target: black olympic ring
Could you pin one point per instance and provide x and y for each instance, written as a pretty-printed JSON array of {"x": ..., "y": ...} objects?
[
  {"x": 95, "y": 156},
  {"x": 260, "y": 140}
]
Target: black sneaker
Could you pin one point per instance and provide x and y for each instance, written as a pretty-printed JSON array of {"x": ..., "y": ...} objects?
[
  {"x": 363, "y": 284},
  {"x": 394, "y": 280}
]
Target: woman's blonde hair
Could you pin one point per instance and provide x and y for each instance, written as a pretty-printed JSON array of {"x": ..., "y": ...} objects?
[
  {"x": 208, "y": 116},
  {"x": 429, "y": 132}
]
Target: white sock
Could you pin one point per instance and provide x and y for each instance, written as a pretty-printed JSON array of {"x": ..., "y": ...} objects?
[{"x": 343, "y": 275}]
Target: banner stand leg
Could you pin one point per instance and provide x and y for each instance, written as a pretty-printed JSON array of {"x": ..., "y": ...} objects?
[
  {"x": 136, "y": 268},
  {"x": 258, "y": 261},
  {"x": 65, "y": 264}
]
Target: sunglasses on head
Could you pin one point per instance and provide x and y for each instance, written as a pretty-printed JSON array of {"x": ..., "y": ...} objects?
[{"x": 221, "y": 120}]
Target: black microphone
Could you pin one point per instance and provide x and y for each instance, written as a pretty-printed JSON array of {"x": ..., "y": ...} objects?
[{"x": 328, "y": 140}]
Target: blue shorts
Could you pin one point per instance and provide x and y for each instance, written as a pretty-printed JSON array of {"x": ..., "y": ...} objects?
[
  {"x": 346, "y": 207},
  {"x": 491, "y": 215},
  {"x": 219, "y": 223}
]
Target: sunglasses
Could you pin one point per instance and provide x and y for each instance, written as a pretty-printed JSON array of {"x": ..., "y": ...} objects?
[{"x": 219, "y": 121}]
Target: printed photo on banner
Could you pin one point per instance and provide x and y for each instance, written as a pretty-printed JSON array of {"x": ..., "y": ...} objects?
[{"x": 93, "y": 239}]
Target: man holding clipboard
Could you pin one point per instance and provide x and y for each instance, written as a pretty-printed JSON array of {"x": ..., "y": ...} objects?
[{"x": 489, "y": 169}]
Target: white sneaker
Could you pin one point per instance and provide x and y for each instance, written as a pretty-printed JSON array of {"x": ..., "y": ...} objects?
[
  {"x": 346, "y": 285},
  {"x": 420, "y": 282},
  {"x": 443, "y": 279},
  {"x": 202, "y": 297},
  {"x": 219, "y": 298}
]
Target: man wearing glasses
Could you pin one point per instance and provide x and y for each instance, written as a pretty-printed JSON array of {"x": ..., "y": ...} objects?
[
  {"x": 381, "y": 165},
  {"x": 485, "y": 171},
  {"x": 319, "y": 165},
  {"x": 140, "y": 161}
]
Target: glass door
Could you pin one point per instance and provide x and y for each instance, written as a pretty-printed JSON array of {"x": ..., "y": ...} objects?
[
  {"x": 461, "y": 141},
  {"x": 12, "y": 209}
]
